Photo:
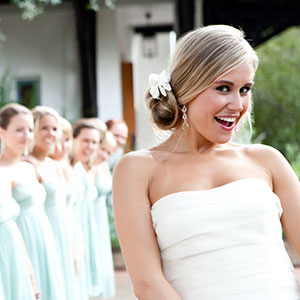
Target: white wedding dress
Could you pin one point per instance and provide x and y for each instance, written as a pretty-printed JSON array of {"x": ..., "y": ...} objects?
[{"x": 225, "y": 243}]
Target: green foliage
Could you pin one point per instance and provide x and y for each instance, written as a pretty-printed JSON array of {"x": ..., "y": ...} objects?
[
  {"x": 33, "y": 8},
  {"x": 2, "y": 37},
  {"x": 293, "y": 152},
  {"x": 5, "y": 87},
  {"x": 113, "y": 232},
  {"x": 96, "y": 4},
  {"x": 277, "y": 95}
]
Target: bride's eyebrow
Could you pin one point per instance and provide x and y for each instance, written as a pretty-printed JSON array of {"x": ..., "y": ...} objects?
[
  {"x": 227, "y": 82},
  {"x": 224, "y": 82}
]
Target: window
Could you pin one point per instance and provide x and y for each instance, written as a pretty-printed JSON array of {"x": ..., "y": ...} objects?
[{"x": 28, "y": 91}]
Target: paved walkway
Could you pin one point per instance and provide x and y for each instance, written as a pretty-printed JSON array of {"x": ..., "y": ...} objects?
[{"x": 123, "y": 286}]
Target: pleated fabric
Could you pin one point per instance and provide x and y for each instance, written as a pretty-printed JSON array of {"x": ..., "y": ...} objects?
[
  {"x": 225, "y": 243},
  {"x": 56, "y": 211},
  {"x": 1, "y": 291},
  {"x": 104, "y": 187},
  {"x": 39, "y": 240},
  {"x": 79, "y": 244},
  {"x": 90, "y": 232},
  {"x": 15, "y": 283}
]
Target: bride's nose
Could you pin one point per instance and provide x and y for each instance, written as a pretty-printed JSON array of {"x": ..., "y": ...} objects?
[{"x": 236, "y": 102}]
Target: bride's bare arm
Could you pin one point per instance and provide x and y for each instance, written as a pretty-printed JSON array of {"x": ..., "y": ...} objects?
[
  {"x": 134, "y": 226},
  {"x": 287, "y": 187}
]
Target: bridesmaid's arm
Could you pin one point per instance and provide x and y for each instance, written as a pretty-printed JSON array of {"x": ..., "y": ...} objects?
[{"x": 134, "y": 226}]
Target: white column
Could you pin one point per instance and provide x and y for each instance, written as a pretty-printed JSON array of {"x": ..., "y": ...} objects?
[
  {"x": 198, "y": 13},
  {"x": 108, "y": 67}
]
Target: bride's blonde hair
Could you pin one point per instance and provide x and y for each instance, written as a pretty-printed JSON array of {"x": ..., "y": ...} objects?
[{"x": 200, "y": 57}]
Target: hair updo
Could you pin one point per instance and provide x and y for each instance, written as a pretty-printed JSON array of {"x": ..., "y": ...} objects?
[{"x": 200, "y": 57}]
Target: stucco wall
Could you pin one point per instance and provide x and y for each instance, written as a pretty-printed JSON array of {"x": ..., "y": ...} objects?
[{"x": 44, "y": 48}]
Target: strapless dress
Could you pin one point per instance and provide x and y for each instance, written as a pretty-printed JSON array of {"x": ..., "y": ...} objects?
[
  {"x": 91, "y": 236},
  {"x": 15, "y": 281},
  {"x": 225, "y": 243},
  {"x": 104, "y": 187},
  {"x": 72, "y": 198},
  {"x": 39, "y": 240},
  {"x": 59, "y": 220}
]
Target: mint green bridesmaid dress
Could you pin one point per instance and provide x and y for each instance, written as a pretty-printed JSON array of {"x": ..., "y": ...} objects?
[
  {"x": 56, "y": 211},
  {"x": 90, "y": 233},
  {"x": 72, "y": 207},
  {"x": 15, "y": 283},
  {"x": 1, "y": 291},
  {"x": 39, "y": 240},
  {"x": 104, "y": 187}
]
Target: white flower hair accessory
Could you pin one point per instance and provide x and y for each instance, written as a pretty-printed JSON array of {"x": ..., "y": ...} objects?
[{"x": 159, "y": 84}]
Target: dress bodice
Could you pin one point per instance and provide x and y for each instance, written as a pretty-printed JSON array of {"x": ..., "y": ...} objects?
[
  {"x": 29, "y": 196},
  {"x": 9, "y": 210},
  {"x": 55, "y": 194},
  {"x": 103, "y": 183},
  {"x": 71, "y": 198},
  {"x": 91, "y": 192},
  {"x": 225, "y": 243}
]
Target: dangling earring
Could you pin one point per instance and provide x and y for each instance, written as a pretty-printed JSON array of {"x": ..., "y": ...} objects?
[{"x": 185, "y": 125}]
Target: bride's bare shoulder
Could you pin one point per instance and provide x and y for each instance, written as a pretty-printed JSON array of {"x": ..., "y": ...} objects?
[
  {"x": 135, "y": 159},
  {"x": 141, "y": 163},
  {"x": 135, "y": 169},
  {"x": 261, "y": 152}
]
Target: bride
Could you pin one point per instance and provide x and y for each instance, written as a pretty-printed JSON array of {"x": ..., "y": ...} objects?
[{"x": 198, "y": 216}]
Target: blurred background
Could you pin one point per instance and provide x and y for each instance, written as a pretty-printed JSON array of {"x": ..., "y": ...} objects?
[
  {"x": 89, "y": 58},
  {"x": 93, "y": 57}
]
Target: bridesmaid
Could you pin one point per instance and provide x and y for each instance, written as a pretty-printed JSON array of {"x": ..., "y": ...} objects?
[
  {"x": 13, "y": 258},
  {"x": 16, "y": 129},
  {"x": 50, "y": 175},
  {"x": 86, "y": 142},
  {"x": 16, "y": 275},
  {"x": 74, "y": 195},
  {"x": 103, "y": 182}
]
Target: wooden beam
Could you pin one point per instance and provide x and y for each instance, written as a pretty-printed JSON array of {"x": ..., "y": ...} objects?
[
  {"x": 86, "y": 37},
  {"x": 185, "y": 16}
]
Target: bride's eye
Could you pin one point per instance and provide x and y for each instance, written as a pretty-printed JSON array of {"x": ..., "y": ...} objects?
[
  {"x": 245, "y": 90},
  {"x": 223, "y": 88}
]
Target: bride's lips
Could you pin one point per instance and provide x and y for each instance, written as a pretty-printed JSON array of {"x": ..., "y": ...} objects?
[{"x": 227, "y": 123}]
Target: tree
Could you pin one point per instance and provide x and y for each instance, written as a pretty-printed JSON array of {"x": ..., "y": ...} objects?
[
  {"x": 277, "y": 95},
  {"x": 33, "y": 8}
]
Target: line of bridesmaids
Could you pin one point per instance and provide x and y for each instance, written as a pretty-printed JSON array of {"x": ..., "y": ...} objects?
[{"x": 54, "y": 228}]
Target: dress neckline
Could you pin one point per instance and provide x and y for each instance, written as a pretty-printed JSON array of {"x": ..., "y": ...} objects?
[
  {"x": 211, "y": 189},
  {"x": 22, "y": 184}
]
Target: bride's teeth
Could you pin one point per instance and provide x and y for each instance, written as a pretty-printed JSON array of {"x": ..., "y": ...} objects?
[{"x": 227, "y": 119}]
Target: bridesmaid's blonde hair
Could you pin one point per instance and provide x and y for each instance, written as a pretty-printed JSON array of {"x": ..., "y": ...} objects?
[{"x": 40, "y": 111}]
